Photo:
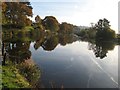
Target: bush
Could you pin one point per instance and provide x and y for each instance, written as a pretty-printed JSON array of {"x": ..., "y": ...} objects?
[
  {"x": 105, "y": 34},
  {"x": 30, "y": 72}
]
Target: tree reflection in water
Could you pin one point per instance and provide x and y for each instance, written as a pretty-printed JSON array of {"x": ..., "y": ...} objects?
[
  {"x": 18, "y": 51},
  {"x": 19, "y": 55},
  {"x": 20, "y": 47},
  {"x": 50, "y": 43},
  {"x": 101, "y": 48}
]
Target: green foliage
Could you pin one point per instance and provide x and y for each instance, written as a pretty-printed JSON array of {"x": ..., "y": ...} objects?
[
  {"x": 23, "y": 75},
  {"x": 28, "y": 28},
  {"x": 118, "y": 36},
  {"x": 103, "y": 24},
  {"x": 11, "y": 78},
  {"x": 82, "y": 33},
  {"x": 88, "y": 33},
  {"x": 51, "y": 23},
  {"x": 38, "y": 23},
  {"x": 91, "y": 33},
  {"x": 15, "y": 14},
  {"x": 50, "y": 43},
  {"x": 38, "y": 19},
  {"x": 30, "y": 71},
  {"x": 76, "y": 30},
  {"x": 103, "y": 30},
  {"x": 38, "y": 26},
  {"x": 66, "y": 28}
]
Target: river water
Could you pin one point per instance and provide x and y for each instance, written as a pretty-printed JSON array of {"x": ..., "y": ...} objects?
[{"x": 77, "y": 65}]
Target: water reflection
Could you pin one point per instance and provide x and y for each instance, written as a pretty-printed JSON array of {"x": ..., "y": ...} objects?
[
  {"x": 101, "y": 48},
  {"x": 15, "y": 51},
  {"x": 39, "y": 40},
  {"x": 19, "y": 47},
  {"x": 50, "y": 43}
]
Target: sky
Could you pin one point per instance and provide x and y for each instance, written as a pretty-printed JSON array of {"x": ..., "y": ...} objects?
[{"x": 78, "y": 12}]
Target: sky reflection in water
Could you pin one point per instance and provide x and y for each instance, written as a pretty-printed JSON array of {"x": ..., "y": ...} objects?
[{"x": 74, "y": 65}]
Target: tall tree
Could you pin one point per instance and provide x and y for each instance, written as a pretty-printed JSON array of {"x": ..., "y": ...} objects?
[
  {"x": 103, "y": 24},
  {"x": 17, "y": 13},
  {"x": 104, "y": 32}
]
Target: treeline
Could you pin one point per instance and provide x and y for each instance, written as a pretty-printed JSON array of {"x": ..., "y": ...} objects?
[
  {"x": 16, "y": 15},
  {"x": 20, "y": 44},
  {"x": 100, "y": 31},
  {"x": 51, "y": 24}
]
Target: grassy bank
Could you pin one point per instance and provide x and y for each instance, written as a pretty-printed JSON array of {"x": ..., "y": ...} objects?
[
  {"x": 11, "y": 78},
  {"x": 23, "y": 75}
]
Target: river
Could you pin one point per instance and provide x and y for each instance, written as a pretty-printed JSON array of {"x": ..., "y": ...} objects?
[{"x": 75, "y": 65}]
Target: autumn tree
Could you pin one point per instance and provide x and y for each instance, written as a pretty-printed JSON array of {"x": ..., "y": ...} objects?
[
  {"x": 3, "y": 12},
  {"x": 38, "y": 23},
  {"x": 16, "y": 13},
  {"x": 51, "y": 23},
  {"x": 66, "y": 28}
]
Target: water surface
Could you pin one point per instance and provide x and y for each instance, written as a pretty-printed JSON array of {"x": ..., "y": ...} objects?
[
  {"x": 66, "y": 60},
  {"x": 76, "y": 65}
]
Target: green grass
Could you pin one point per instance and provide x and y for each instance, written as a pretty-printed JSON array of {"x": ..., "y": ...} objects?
[
  {"x": 11, "y": 78},
  {"x": 22, "y": 75}
]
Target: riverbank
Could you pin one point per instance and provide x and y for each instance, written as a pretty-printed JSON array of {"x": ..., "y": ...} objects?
[
  {"x": 22, "y": 75},
  {"x": 11, "y": 78}
]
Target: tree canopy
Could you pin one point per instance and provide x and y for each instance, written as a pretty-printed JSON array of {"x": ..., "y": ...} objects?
[
  {"x": 38, "y": 19},
  {"x": 16, "y": 13},
  {"x": 66, "y": 27},
  {"x": 51, "y": 23},
  {"x": 104, "y": 32},
  {"x": 103, "y": 24}
]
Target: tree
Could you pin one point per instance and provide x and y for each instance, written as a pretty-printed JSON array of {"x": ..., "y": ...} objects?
[
  {"x": 51, "y": 23},
  {"x": 38, "y": 23},
  {"x": 66, "y": 28},
  {"x": 104, "y": 32},
  {"x": 103, "y": 24},
  {"x": 38, "y": 19},
  {"x": 3, "y": 12},
  {"x": 16, "y": 13}
]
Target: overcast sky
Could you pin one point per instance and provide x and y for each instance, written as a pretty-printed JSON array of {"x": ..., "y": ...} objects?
[{"x": 78, "y": 12}]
